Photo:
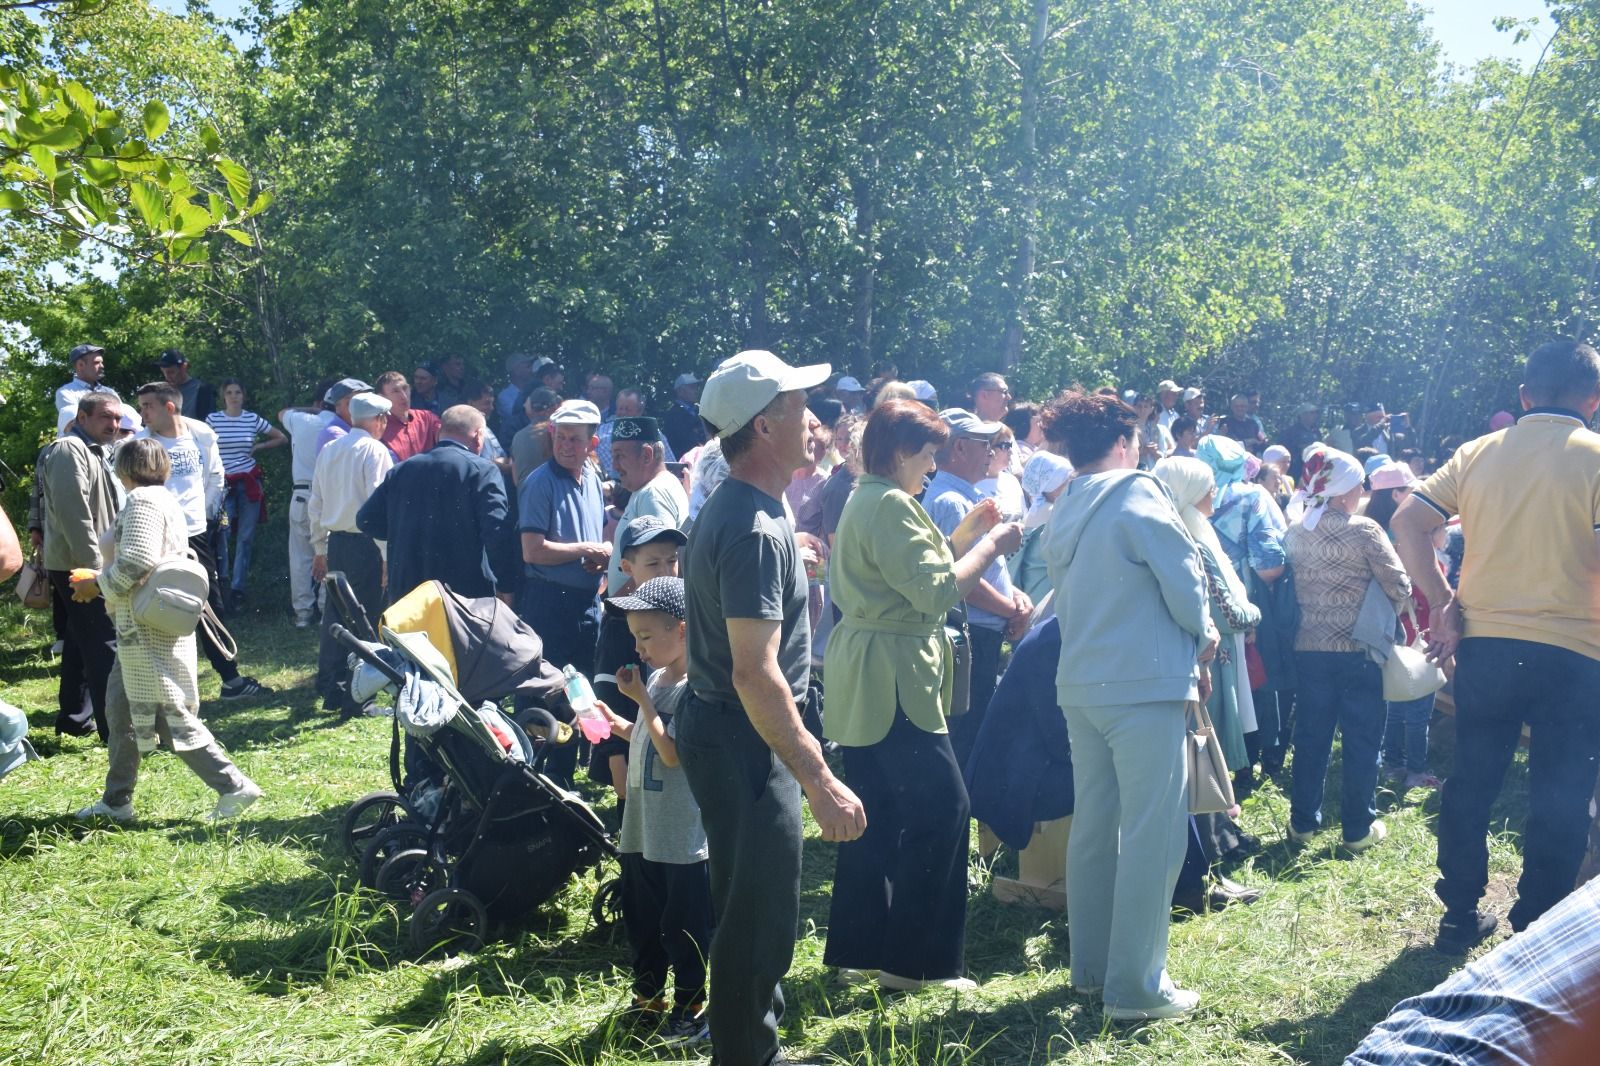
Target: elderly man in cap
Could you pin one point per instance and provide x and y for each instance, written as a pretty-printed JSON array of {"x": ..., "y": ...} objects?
[
  {"x": 561, "y": 514},
  {"x": 197, "y": 481},
  {"x": 630, "y": 404},
  {"x": 199, "y": 398},
  {"x": 641, "y": 461},
  {"x": 681, "y": 424},
  {"x": 78, "y": 501},
  {"x": 443, "y": 515},
  {"x": 1168, "y": 409},
  {"x": 348, "y": 472},
  {"x": 1194, "y": 407},
  {"x": 995, "y": 610},
  {"x": 1302, "y": 434},
  {"x": 337, "y": 399},
  {"x": 88, "y": 367},
  {"x": 409, "y": 432},
  {"x": 740, "y": 737},
  {"x": 851, "y": 393}
]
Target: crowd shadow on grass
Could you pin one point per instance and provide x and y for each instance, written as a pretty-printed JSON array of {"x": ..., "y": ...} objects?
[
  {"x": 1332, "y": 1035},
  {"x": 22, "y": 837}
]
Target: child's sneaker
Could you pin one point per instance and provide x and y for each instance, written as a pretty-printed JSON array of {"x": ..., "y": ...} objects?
[{"x": 685, "y": 1025}]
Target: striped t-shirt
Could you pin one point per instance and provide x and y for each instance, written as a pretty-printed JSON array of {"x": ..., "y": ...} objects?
[{"x": 236, "y": 435}]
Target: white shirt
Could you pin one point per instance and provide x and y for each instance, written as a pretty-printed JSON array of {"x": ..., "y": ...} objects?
[
  {"x": 663, "y": 497},
  {"x": 68, "y": 395},
  {"x": 348, "y": 472},
  {"x": 197, "y": 479},
  {"x": 303, "y": 428}
]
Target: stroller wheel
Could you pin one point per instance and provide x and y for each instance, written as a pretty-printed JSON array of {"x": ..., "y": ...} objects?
[
  {"x": 408, "y": 875},
  {"x": 396, "y": 838},
  {"x": 606, "y": 910},
  {"x": 367, "y": 817},
  {"x": 450, "y": 920}
]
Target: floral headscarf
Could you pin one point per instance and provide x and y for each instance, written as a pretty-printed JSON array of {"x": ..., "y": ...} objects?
[
  {"x": 1329, "y": 474},
  {"x": 1044, "y": 472}
]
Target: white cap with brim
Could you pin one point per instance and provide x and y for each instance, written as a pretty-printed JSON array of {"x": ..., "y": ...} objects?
[
  {"x": 963, "y": 423},
  {"x": 1169, "y": 386},
  {"x": 849, "y": 384},
  {"x": 744, "y": 384},
  {"x": 365, "y": 405},
  {"x": 576, "y": 413},
  {"x": 131, "y": 419},
  {"x": 685, "y": 379},
  {"x": 923, "y": 390}
]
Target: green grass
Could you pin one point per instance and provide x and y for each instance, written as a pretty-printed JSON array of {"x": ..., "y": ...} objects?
[{"x": 175, "y": 942}]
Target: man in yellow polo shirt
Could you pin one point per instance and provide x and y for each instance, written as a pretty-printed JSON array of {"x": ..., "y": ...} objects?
[{"x": 1525, "y": 630}]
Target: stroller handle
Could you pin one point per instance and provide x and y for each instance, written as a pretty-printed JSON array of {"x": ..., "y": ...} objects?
[{"x": 359, "y": 648}]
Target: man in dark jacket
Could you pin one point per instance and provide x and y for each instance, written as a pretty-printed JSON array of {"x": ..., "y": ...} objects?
[{"x": 444, "y": 515}]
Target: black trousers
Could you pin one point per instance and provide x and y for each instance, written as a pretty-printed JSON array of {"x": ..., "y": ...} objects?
[
  {"x": 750, "y": 804},
  {"x": 666, "y": 908},
  {"x": 88, "y": 655},
  {"x": 900, "y": 890},
  {"x": 225, "y": 667},
  {"x": 567, "y": 620},
  {"x": 985, "y": 672},
  {"x": 1499, "y": 685},
  {"x": 356, "y": 555}
]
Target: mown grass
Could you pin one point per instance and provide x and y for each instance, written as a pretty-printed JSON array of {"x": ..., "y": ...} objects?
[{"x": 175, "y": 942}]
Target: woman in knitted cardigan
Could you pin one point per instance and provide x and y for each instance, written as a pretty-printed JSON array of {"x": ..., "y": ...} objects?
[{"x": 154, "y": 684}]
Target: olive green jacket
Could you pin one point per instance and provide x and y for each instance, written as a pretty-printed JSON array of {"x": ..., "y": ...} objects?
[{"x": 892, "y": 576}]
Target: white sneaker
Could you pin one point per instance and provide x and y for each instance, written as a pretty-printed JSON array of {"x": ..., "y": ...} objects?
[
  {"x": 1374, "y": 835},
  {"x": 1302, "y": 838},
  {"x": 302, "y": 619},
  {"x": 232, "y": 804},
  {"x": 896, "y": 983},
  {"x": 848, "y": 976},
  {"x": 57, "y": 648},
  {"x": 101, "y": 809},
  {"x": 1182, "y": 1002}
]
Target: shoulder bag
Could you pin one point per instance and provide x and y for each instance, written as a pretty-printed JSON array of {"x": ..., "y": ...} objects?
[
  {"x": 955, "y": 630},
  {"x": 1210, "y": 784},
  {"x": 171, "y": 598},
  {"x": 33, "y": 587},
  {"x": 1408, "y": 675}
]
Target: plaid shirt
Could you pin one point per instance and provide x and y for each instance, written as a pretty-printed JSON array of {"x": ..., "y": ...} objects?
[{"x": 1535, "y": 999}]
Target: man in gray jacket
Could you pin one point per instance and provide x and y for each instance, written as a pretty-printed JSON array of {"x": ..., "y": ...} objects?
[{"x": 79, "y": 500}]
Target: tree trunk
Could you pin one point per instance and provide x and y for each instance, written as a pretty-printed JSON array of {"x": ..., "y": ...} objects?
[{"x": 1027, "y": 183}]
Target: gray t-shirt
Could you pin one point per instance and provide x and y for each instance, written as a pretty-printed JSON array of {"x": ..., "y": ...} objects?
[
  {"x": 661, "y": 820},
  {"x": 742, "y": 562}
]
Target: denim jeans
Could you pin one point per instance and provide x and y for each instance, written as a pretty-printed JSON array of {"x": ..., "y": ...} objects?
[
  {"x": 1405, "y": 738},
  {"x": 239, "y": 534},
  {"x": 1499, "y": 685},
  {"x": 1343, "y": 690}
]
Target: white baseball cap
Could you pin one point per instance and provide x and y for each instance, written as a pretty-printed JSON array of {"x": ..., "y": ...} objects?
[
  {"x": 963, "y": 423},
  {"x": 923, "y": 390},
  {"x": 576, "y": 413},
  {"x": 744, "y": 384},
  {"x": 849, "y": 384}
]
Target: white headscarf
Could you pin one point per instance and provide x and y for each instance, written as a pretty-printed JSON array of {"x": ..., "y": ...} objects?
[
  {"x": 1329, "y": 474},
  {"x": 1045, "y": 472},
  {"x": 1190, "y": 481}
]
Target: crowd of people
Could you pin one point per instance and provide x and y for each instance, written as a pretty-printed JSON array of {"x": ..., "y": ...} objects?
[{"x": 965, "y": 579}]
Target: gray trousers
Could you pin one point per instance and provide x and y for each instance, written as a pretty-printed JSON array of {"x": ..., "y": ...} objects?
[
  {"x": 178, "y": 728},
  {"x": 1130, "y": 826}
]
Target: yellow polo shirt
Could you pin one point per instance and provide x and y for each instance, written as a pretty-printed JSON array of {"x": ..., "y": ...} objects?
[{"x": 1529, "y": 501}]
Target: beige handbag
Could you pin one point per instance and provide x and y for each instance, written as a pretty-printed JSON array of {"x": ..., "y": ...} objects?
[
  {"x": 33, "y": 587},
  {"x": 1210, "y": 784},
  {"x": 1408, "y": 675}
]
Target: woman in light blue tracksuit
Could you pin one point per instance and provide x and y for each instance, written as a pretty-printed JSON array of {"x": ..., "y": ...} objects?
[{"x": 1136, "y": 635}]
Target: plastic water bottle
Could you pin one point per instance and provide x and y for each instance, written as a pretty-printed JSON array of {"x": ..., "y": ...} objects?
[{"x": 580, "y": 697}]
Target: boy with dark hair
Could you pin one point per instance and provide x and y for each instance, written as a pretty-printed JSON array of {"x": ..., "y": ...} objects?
[
  {"x": 649, "y": 549},
  {"x": 666, "y": 882}
]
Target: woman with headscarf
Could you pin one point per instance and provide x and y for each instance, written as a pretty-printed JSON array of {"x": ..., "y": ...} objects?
[
  {"x": 1250, "y": 528},
  {"x": 1190, "y": 482},
  {"x": 1044, "y": 479},
  {"x": 1337, "y": 555}
]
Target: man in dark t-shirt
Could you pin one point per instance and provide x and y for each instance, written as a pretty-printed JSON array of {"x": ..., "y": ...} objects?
[{"x": 740, "y": 738}]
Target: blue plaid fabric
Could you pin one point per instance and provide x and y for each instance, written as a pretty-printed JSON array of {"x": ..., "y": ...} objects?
[{"x": 1535, "y": 999}]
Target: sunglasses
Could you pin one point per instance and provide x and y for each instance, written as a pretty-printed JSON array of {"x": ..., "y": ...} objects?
[{"x": 1007, "y": 446}]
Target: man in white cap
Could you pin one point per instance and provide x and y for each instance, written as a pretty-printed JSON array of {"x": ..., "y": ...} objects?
[
  {"x": 88, "y": 367},
  {"x": 1167, "y": 394},
  {"x": 995, "y": 610},
  {"x": 1194, "y": 406},
  {"x": 681, "y": 423},
  {"x": 198, "y": 481},
  {"x": 749, "y": 673},
  {"x": 851, "y": 393},
  {"x": 347, "y": 473},
  {"x": 561, "y": 515},
  {"x": 925, "y": 392}
]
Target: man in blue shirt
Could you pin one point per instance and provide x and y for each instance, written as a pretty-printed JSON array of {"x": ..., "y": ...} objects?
[
  {"x": 994, "y": 609},
  {"x": 561, "y": 515}
]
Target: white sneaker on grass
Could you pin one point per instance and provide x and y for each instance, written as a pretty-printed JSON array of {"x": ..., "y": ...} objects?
[
  {"x": 232, "y": 804},
  {"x": 1374, "y": 835},
  {"x": 101, "y": 809},
  {"x": 1182, "y": 1002},
  {"x": 895, "y": 983}
]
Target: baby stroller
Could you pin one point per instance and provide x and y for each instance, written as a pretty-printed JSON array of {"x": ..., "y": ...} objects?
[{"x": 473, "y": 832}]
